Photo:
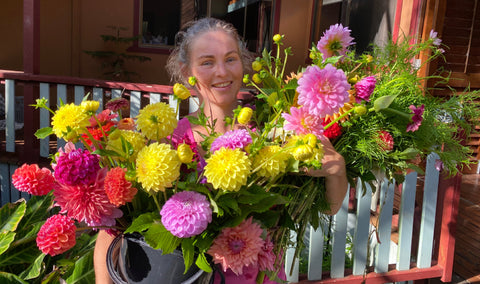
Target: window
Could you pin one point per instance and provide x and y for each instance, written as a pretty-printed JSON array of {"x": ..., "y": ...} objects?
[{"x": 157, "y": 21}]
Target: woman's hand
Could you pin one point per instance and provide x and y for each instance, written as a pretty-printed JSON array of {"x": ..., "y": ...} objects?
[{"x": 335, "y": 173}]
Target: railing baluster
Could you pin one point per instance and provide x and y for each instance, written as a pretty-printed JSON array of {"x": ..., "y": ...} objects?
[
  {"x": 45, "y": 119},
  {"x": 315, "y": 253},
  {"x": 362, "y": 228},
  {"x": 337, "y": 269},
  {"x": 405, "y": 221},
  {"x": 427, "y": 225},
  {"x": 135, "y": 101},
  {"x": 61, "y": 98},
  {"x": 291, "y": 260},
  {"x": 155, "y": 98},
  {"x": 193, "y": 104},
  {"x": 10, "y": 115},
  {"x": 384, "y": 227},
  {"x": 79, "y": 92},
  {"x": 98, "y": 96}
]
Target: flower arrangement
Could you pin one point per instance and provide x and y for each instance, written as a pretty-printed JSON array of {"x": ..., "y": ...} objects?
[{"x": 235, "y": 205}]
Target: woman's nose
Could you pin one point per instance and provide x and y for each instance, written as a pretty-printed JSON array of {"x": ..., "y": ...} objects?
[{"x": 221, "y": 69}]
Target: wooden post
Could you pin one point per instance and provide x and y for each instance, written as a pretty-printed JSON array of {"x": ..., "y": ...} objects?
[{"x": 31, "y": 64}]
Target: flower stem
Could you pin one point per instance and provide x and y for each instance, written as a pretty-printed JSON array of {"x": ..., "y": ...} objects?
[{"x": 338, "y": 118}]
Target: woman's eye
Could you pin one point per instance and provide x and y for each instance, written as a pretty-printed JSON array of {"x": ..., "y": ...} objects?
[
  {"x": 206, "y": 63},
  {"x": 231, "y": 59}
]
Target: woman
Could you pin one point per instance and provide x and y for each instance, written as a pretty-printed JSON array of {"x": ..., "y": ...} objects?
[{"x": 212, "y": 52}]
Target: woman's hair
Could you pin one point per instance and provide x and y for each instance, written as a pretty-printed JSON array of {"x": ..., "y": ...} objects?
[{"x": 179, "y": 60}]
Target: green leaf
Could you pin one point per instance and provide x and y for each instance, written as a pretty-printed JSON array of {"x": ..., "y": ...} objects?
[
  {"x": 383, "y": 102},
  {"x": 106, "y": 153},
  {"x": 160, "y": 238},
  {"x": 11, "y": 214},
  {"x": 188, "y": 251},
  {"x": 35, "y": 268},
  {"x": 25, "y": 254},
  {"x": 44, "y": 132},
  {"x": 6, "y": 238},
  {"x": 202, "y": 263},
  {"x": 8, "y": 278},
  {"x": 142, "y": 222},
  {"x": 83, "y": 272}
]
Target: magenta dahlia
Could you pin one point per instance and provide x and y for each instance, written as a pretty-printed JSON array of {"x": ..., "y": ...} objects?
[
  {"x": 302, "y": 122},
  {"x": 335, "y": 41},
  {"x": 87, "y": 203},
  {"x": 232, "y": 139},
  {"x": 77, "y": 167},
  {"x": 323, "y": 91},
  {"x": 32, "y": 179},
  {"x": 364, "y": 89},
  {"x": 57, "y": 235},
  {"x": 186, "y": 214}
]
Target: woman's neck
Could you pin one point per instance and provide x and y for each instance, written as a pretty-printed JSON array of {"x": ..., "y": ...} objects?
[{"x": 218, "y": 114}]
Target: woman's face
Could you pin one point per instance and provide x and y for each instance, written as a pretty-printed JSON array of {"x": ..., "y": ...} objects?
[{"x": 215, "y": 62}]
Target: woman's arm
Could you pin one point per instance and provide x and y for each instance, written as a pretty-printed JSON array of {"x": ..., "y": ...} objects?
[
  {"x": 335, "y": 173},
  {"x": 100, "y": 257}
]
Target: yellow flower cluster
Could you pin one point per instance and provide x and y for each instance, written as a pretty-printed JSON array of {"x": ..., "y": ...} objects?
[
  {"x": 156, "y": 121},
  {"x": 271, "y": 160},
  {"x": 228, "y": 169},
  {"x": 157, "y": 167},
  {"x": 68, "y": 122},
  {"x": 134, "y": 138}
]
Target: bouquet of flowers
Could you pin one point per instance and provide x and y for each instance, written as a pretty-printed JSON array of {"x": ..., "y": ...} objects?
[{"x": 236, "y": 204}]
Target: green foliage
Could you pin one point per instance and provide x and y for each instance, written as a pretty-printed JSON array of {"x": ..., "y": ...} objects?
[
  {"x": 114, "y": 60},
  {"x": 20, "y": 259}
]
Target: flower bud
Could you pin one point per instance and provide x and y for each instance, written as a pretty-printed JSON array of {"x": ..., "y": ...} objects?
[
  {"x": 185, "y": 153},
  {"x": 360, "y": 110},
  {"x": 90, "y": 106},
  {"x": 256, "y": 66},
  {"x": 245, "y": 115},
  {"x": 192, "y": 80},
  {"x": 277, "y": 38},
  {"x": 256, "y": 78},
  {"x": 181, "y": 91},
  {"x": 245, "y": 79}
]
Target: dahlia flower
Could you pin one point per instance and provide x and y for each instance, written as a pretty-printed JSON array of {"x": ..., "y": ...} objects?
[
  {"x": 302, "y": 122},
  {"x": 57, "y": 235},
  {"x": 157, "y": 166},
  {"x": 156, "y": 121},
  {"x": 116, "y": 142},
  {"x": 238, "y": 247},
  {"x": 186, "y": 214},
  {"x": 126, "y": 124},
  {"x": 227, "y": 169},
  {"x": 333, "y": 131},
  {"x": 68, "y": 121},
  {"x": 416, "y": 118},
  {"x": 97, "y": 133},
  {"x": 364, "y": 89},
  {"x": 118, "y": 189},
  {"x": 102, "y": 118},
  {"x": 78, "y": 167},
  {"x": 266, "y": 257},
  {"x": 90, "y": 106},
  {"x": 386, "y": 140},
  {"x": 117, "y": 104},
  {"x": 232, "y": 139},
  {"x": 271, "y": 161},
  {"x": 32, "y": 179},
  {"x": 335, "y": 41},
  {"x": 87, "y": 202},
  {"x": 323, "y": 91}
]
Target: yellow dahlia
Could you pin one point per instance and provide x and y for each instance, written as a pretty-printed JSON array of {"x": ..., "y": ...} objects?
[
  {"x": 228, "y": 169},
  {"x": 156, "y": 121},
  {"x": 134, "y": 138},
  {"x": 157, "y": 166},
  {"x": 68, "y": 121},
  {"x": 90, "y": 106},
  {"x": 272, "y": 161}
]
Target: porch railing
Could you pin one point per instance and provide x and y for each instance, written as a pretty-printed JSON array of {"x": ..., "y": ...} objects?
[{"x": 421, "y": 252}]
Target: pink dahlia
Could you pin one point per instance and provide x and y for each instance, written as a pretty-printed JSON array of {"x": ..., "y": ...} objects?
[
  {"x": 186, "y": 214},
  {"x": 32, "y": 179},
  {"x": 416, "y": 118},
  {"x": 103, "y": 117},
  {"x": 323, "y": 91},
  {"x": 238, "y": 247},
  {"x": 57, "y": 235},
  {"x": 364, "y": 89},
  {"x": 88, "y": 202},
  {"x": 118, "y": 189},
  {"x": 302, "y": 122},
  {"x": 386, "y": 141},
  {"x": 335, "y": 41},
  {"x": 78, "y": 167},
  {"x": 266, "y": 257},
  {"x": 232, "y": 139},
  {"x": 117, "y": 104}
]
